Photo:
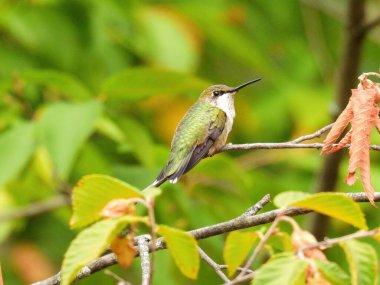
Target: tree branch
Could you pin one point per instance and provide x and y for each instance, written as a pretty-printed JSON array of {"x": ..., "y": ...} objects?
[
  {"x": 296, "y": 143},
  {"x": 143, "y": 249},
  {"x": 241, "y": 222},
  {"x": 36, "y": 208},
  {"x": 330, "y": 242},
  {"x": 213, "y": 264}
]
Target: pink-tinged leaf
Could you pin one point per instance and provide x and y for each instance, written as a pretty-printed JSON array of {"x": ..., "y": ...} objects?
[{"x": 118, "y": 207}]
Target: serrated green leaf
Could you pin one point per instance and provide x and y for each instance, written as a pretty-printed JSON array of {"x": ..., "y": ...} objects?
[
  {"x": 335, "y": 205},
  {"x": 63, "y": 129},
  {"x": 183, "y": 248},
  {"x": 93, "y": 192},
  {"x": 16, "y": 148},
  {"x": 139, "y": 83},
  {"x": 91, "y": 242},
  {"x": 332, "y": 272},
  {"x": 283, "y": 268},
  {"x": 236, "y": 248},
  {"x": 284, "y": 199},
  {"x": 363, "y": 262}
]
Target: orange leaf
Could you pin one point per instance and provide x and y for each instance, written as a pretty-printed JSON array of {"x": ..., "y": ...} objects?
[
  {"x": 302, "y": 239},
  {"x": 124, "y": 250},
  {"x": 118, "y": 207},
  {"x": 338, "y": 127},
  {"x": 362, "y": 112},
  {"x": 365, "y": 117}
]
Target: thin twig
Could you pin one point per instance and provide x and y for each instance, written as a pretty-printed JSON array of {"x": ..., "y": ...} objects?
[
  {"x": 213, "y": 264},
  {"x": 257, "y": 207},
  {"x": 244, "y": 278},
  {"x": 366, "y": 28},
  {"x": 202, "y": 233},
  {"x": 36, "y": 208},
  {"x": 314, "y": 135},
  {"x": 261, "y": 244},
  {"x": 330, "y": 242},
  {"x": 120, "y": 281},
  {"x": 152, "y": 239},
  {"x": 143, "y": 247}
]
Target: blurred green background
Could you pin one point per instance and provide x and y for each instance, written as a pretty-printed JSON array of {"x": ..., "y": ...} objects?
[{"x": 99, "y": 87}]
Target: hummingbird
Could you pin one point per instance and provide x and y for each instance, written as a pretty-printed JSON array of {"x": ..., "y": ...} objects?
[{"x": 202, "y": 132}]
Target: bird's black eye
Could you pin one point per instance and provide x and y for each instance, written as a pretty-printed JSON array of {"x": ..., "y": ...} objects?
[{"x": 217, "y": 93}]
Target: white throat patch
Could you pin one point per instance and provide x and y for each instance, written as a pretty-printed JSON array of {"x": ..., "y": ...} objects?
[{"x": 226, "y": 103}]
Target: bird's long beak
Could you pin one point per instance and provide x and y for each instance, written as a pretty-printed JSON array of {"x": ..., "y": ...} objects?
[{"x": 235, "y": 89}]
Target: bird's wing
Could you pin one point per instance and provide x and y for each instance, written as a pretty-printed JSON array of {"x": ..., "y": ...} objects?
[
  {"x": 202, "y": 148},
  {"x": 188, "y": 151}
]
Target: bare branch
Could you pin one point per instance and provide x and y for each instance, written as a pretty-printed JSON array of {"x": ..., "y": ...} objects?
[
  {"x": 213, "y": 264},
  {"x": 257, "y": 207},
  {"x": 36, "y": 208},
  {"x": 143, "y": 247},
  {"x": 366, "y": 28},
  {"x": 202, "y": 233},
  {"x": 296, "y": 143},
  {"x": 120, "y": 281},
  {"x": 261, "y": 244},
  {"x": 330, "y": 242}
]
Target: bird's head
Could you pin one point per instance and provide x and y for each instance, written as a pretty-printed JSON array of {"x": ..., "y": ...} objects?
[{"x": 218, "y": 95}]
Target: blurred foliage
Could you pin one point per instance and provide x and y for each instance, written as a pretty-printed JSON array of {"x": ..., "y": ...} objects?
[{"x": 99, "y": 87}]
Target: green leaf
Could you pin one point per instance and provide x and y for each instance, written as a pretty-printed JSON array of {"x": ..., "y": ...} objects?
[
  {"x": 284, "y": 199},
  {"x": 111, "y": 130},
  {"x": 332, "y": 272},
  {"x": 64, "y": 128},
  {"x": 159, "y": 29},
  {"x": 139, "y": 83},
  {"x": 335, "y": 205},
  {"x": 236, "y": 248},
  {"x": 183, "y": 248},
  {"x": 280, "y": 241},
  {"x": 91, "y": 242},
  {"x": 93, "y": 192},
  {"x": 60, "y": 81},
  {"x": 152, "y": 192},
  {"x": 138, "y": 138},
  {"x": 16, "y": 148},
  {"x": 363, "y": 262},
  {"x": 283, "y": 268}
]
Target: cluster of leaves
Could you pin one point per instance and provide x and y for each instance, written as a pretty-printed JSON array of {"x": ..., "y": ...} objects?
[
  {"x": 291, "y": 260},
  {"x": 97, "y": 196}
]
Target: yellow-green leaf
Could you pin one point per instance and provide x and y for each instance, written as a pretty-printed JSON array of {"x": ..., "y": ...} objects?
[
  {"x": 283, "y": 268},
  {"x": 335, "y": 205},
  {"x": 91, "y": 242},
  {"x": 332, "y": 272},
  {"x": 280, "y": 242},
  {"x": 236, "y": 248},
  {"x": 93, "y": 192},
  {"x": 363, "y": 262},
  {"x": 183, "y": 248},
  {"x": 284, "y": 199}
]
